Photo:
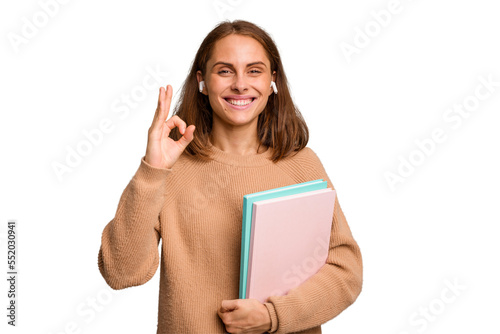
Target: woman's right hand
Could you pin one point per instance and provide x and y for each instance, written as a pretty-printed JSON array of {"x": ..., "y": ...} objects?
[{"x": 162, "y": 151}]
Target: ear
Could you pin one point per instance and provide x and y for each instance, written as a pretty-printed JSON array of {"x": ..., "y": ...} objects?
[{"x": 199, "y": 77}]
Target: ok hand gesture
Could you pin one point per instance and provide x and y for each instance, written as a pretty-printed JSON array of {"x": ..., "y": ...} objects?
[{"x": 162, "y": 151}]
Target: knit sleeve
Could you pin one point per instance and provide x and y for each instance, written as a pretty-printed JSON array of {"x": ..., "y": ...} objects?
[
  {"x": 128, "y": 255},
  {"x": 336, "y": 285}
]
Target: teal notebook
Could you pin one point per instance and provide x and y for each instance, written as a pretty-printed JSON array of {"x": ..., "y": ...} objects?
[{"x": 248, "y": 201}]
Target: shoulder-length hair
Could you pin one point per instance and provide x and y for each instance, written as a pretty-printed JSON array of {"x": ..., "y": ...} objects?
[{"x": 280, "y": 125}]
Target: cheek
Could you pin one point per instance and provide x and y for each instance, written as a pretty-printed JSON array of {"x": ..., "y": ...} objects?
[
  {"x": 217, "y": 103},
  {"x": 264, "y": 88}
]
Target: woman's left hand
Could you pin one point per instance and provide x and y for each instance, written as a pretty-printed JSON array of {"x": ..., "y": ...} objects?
[{"x": 247, "y": 316}]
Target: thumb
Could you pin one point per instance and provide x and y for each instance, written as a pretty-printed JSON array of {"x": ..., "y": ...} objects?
[{"x": 228, "y": 306}]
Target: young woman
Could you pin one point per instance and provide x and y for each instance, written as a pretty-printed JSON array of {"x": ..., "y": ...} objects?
[{"x": 244, "y": 135}]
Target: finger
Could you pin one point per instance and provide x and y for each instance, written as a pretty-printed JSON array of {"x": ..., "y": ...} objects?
[
  {"x": 170, "y": 124},
  {"x": 187, "y": 137},
  {"x": 222, "y": 311},
  {"x": 158, "y": 107},
  {"x": 229, "y": 305},
  {"x": 160, "y": 97},
  {"x": 165, "y": 104},
  {"x": 176, "y": 121},
  {"x": 161, "y": 113}
]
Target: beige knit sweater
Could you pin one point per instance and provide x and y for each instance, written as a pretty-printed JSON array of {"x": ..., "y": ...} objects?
[{"x": 196, "y": 209}]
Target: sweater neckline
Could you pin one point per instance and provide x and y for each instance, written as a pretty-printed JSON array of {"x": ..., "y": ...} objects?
[{"x": 249, "y": 160}]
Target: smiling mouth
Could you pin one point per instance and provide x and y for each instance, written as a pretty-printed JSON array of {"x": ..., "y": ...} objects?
[{"x": 240, "y": 102}]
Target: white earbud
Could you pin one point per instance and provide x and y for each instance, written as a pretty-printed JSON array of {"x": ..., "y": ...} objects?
[
  {"x": 201, "y": 85},
  {"x": 273, "y": 84}
]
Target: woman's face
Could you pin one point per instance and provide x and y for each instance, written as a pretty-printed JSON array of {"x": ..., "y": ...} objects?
[{"x": 237, "y": 81}]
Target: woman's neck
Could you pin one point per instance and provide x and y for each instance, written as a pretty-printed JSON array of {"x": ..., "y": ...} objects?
[{"x": 234, "y": 144}]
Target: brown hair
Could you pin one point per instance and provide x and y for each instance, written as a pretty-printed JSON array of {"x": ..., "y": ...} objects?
[{"x": 280, "y": 125}]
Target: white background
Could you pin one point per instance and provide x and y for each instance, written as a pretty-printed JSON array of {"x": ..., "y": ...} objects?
[{"x": 440, "y": 225}]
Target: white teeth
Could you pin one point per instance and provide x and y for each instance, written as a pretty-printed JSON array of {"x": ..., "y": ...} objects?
[{"x": 239, "y": 102}]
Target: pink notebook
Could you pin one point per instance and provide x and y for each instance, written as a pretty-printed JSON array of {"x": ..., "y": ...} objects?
[{"x": 289, "y": 241}]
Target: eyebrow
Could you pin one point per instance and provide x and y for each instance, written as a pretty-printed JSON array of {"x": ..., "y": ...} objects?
[{"x": 231, "y": 65}]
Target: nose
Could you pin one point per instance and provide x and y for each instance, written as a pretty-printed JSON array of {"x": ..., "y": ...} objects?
[{"x": 239, "y": 83}]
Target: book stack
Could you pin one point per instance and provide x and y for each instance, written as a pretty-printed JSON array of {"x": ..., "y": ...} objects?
[{"x": 285, "y": 237}]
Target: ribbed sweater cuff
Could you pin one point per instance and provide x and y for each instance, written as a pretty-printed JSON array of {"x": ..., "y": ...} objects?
[
  {"x": 149, "y": 174},
  {"x": 274, "y": 317}
]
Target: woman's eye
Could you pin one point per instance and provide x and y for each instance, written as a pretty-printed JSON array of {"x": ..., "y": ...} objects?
[
  {"x": 255, "y": 71},
  {"x": 223, "y": 71}
]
